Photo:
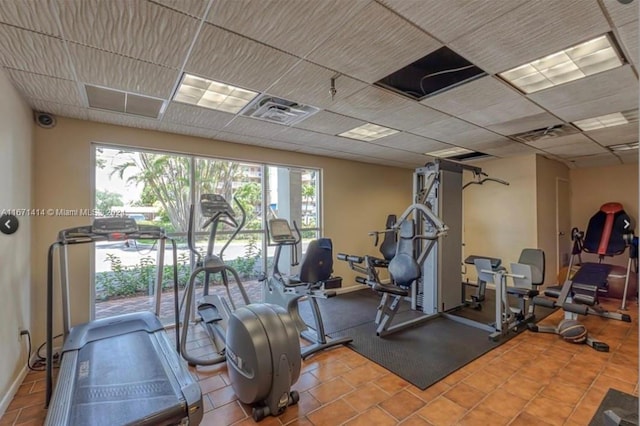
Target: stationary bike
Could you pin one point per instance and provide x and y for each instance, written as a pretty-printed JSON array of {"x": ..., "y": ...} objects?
[
  {"x": 315, "y": 271},
  {"x": 258, "y": 341}
]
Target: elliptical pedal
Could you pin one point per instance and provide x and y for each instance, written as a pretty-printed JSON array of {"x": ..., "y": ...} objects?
[{"x": 209, "y": 313}]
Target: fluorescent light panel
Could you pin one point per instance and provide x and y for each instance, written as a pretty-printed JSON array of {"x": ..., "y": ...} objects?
[
  {"x": 590, "y": 57},
  {"x": 213, "y": 94},
  {"x": 608, "y": 120},
  {"x": 624, "y": 147},
  {"x": 368, "y": 132},
  {"x": 449, "y": 152}
]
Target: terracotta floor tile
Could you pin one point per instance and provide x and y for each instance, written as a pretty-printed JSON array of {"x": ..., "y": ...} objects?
[
  {"x": 627, "y": 374},
  {"x": 203, "y": 372},
  {"x": 330, "y": 370},
  {"x": 365, "y": 396},
  {"x": 225, "y": 415},
  {"x": 373, "y": 416},
  {"x": 483, "y": 381},
  {"x": 332, "y": 414},
  {"x": 504, "y": 403},
  {"x": 303, "y": 421},
  {"x": 364, "y": 373},
  {"x": 222, "y": 396},
  {"x": 415, "y": 420},
  {"x": 211, "y": 383},
  {"x": 549, "y": 410},
  {"x": 563, "y": 392},
  {"x": 526, "y": 419},
  {"x": 464, "y": 395},
  {"x": 9, "y": 417},
  {"x": 482, "y": 416},
  {"x": 34, "y": 414},
  {"x": 391, "y": 383},
  {"x": 331, "y": 390},
  {"x": 457, "y": 376},
  {"x": 442, "y": 412},
  {"x": 606, "y": 382},
  {"x": 430, "y": 393},
  {"x": 402, "y": 404},
  {"x": 22, "y": 401},
  {"x": 267, "y": 421},
  {"x": 305, "y": 405},
  {"x": 521, "y": 385},
  {"x": 305, "y": 382},
  {"x": 354, "y": 359}
]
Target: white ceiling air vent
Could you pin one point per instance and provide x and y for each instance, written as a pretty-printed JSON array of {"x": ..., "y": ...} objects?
[
  {"x": 123, "y": 102},
  {"x": 277, "y": 110},
  {"x": 545, "y": 133}
]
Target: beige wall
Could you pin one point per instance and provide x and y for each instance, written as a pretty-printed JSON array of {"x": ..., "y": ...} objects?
[
  {"x": 357, "y": 196},
  {"x": 499, "y": 220},
  {"x": 547, "y": 174},
  {"x": 15, "y": 250},
  {"x": 595, "y": 186}
]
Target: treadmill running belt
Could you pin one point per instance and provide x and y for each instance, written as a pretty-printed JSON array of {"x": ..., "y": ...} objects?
[{"x": 116, "y": 385}]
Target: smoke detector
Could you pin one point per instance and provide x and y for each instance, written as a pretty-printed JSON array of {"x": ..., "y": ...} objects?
[{"x": 278, "y": 110}]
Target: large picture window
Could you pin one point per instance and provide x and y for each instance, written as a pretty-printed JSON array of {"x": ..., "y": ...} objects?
[{"x": 159, "y": 188}]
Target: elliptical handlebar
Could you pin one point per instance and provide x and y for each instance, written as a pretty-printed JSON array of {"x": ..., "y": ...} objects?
[{"x": 238, "y": 226}]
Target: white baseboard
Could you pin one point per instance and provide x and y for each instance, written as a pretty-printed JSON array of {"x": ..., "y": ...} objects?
[{"x": 6, "y": 400}]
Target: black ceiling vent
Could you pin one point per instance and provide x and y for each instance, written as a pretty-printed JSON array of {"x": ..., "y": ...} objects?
[
  {"x": 437, "y": 72},
  {"x": 545, "y": 133},
  {"x": 469, "y": 156}
]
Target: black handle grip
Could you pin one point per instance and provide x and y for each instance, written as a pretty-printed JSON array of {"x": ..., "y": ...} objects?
[
  {"x": 361, "y": 280},
  {"x": 575, "y": 308}
]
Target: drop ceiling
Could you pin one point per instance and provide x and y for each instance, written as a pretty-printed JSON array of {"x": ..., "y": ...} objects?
[{"x": 292, "y": 49}]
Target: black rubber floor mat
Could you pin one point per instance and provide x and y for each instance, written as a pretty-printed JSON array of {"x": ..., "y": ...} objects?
[
  {"x": 617, "y": 401},
  {"x": 425, "y": 354}
]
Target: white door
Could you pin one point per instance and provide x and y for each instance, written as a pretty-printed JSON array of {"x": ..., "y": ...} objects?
[{"x": 563, "y": 223}]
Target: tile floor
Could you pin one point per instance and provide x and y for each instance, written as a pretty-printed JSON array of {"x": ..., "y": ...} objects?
[{"x": 533, "y": 379}]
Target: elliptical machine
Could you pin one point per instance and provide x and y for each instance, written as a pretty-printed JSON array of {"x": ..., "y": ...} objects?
[
  {"x": 315, "y": 271},
  {"x": 258, "y": 341}
]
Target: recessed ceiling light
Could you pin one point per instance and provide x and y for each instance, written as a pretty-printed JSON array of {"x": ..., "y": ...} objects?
[
  {"x": 624, "y": 147},
  {"x": 368, "y": 132},
  {"x": 212, "y": 94},
  {"x": 609, "y": 120},
  {"x": 590, "y": 57},
  {"x": 449, "y": 152}
]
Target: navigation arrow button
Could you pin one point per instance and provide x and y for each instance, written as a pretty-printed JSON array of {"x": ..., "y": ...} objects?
[
  {"x": 626, "y": 224},
  {"x": 9, "y": 224}
]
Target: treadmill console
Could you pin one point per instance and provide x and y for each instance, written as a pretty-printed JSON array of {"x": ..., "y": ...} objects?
[
  {"x": 109, "y": 225},
  {"x": 280, "y": 231},
  {"x": 210, "y": 204}
]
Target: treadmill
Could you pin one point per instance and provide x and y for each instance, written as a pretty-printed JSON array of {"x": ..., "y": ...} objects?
[{"x": 120, "y": 370}]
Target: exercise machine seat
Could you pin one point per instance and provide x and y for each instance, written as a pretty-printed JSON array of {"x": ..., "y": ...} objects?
[
  {"x": 531, "y": 265},
  {"x": 605, "y": 233},
  {"x": 535, "y": 259},
  {"x": 403, "y": 267},
  {"x": 316, "y": 265}
]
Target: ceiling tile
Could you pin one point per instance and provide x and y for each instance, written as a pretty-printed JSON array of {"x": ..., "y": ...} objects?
[
  {"x": 413, "y": 143},
  {"x": 607, "y": 92},
  {"x": 536, "y": 29},
  {"x": 631, "y": 158},
  {"x": 196, "y": 116},
  {"x": 473, "y": 96},
  {"x": 58, "y": 109},
  {"x": 329, "y": 123},
  {"x": 253, "y": 127},
  {"x": 621, "y": 13},
  {"x": 448, "y": 20},
  {"x": 505, "y": 111},
  {"x": 36, "y": 15},
  {"x": 407, "y": 117},
  {"x": 122, "y": 119},
  {"x": 361, "y": 50},
  {"x": 45, "y": 88},
  {"x": 118, "y": 72},
  {"x": 36, "y": 53},
  {"x": 574, "y": 150},
  {"x": 311, "y": 150},
  {"x": 615, "y": 135},
  {"x": 179, "y": 129},
  {"x": 302, "y": 137},
  {"x": 243, "y": 139},
  {"x": 195, "y": 8},
  {"x": 229, "y": 58},
  {"x": 510, "y": 149},
  {"x": 139, "y": 30},
  {"x": 524, "y": 124},
  {"x": 573, "y": 139},
  {"x": 629, "y": 35},
  {"x": 308, "y": 83},
  {"x": 598, "y": 160},
  {"x": 455, "y": 131},
  {"x": 293, "y": 26}
]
